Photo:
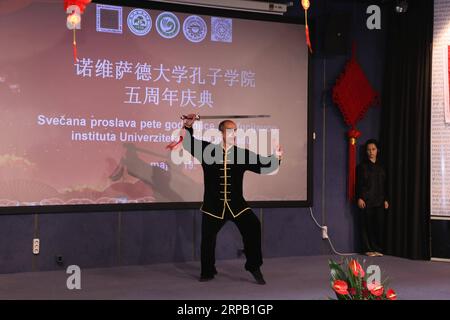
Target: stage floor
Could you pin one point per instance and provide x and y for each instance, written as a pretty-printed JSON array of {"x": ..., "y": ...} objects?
[{"x": 290, "y": 278}]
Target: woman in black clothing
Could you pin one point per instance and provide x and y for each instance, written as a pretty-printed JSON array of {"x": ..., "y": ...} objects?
[{"x": 371, "y": 199}]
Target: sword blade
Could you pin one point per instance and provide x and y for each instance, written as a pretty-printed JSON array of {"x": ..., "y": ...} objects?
[{"x": 241, "y": 116}]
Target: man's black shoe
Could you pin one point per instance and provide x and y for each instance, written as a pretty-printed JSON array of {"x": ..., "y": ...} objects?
[
  {"x": 258, "y": 276},
  {"x": 206, "y": 278}
]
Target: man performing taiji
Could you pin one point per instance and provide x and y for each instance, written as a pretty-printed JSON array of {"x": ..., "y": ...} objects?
[{"x": 224, "y": 166}]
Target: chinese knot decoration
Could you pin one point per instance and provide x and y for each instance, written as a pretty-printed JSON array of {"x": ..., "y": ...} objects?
[
  {"x": 353, "y": 94},
  {"x": 305, "y": 5},
  {"x": 74, "y": 9}
]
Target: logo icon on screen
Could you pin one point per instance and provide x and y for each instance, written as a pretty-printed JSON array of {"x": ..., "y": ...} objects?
[
  {"x": 167, "y": 25},
  {"x": 194, "y": 28},
  {"x": 221, "y": 29},
  {"x": 139, "y": 22},
  {"x": 109, "y": 19}
]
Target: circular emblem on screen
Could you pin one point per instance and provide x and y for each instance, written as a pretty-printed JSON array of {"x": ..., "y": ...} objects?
[
  {"x": 194, "y": 28},
  {"x": 139, "y": 22},
  {"x": 168, "y": 25}
]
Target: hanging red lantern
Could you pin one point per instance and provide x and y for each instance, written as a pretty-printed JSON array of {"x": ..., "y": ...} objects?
[
  {"x": 74, "y": 9},
  {"x": 81, "y": 4}
]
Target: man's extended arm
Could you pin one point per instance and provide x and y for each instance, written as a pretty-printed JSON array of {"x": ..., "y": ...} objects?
[
  {"x": 192, "y": 145},
  {"x": 262, "y": 165}
]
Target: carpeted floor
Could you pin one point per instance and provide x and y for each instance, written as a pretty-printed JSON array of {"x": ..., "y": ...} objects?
[{"x": 290, "y": 278}]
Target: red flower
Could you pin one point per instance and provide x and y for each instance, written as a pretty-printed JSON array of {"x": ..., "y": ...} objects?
[
  {"x": 352, "y": 291},
  {"x": 340, "y": 286},
  {"x": 365, "y": 293},
  {"x": 356, "y": 268},
  {"x": 391, "y": 295},
  {"x": 375, "y": 288}
]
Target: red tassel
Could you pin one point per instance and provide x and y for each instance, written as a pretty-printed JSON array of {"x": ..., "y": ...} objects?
[
  {"x": 308, "y": 41},
  {"x": 74, "y": 47},
  {"x": 75, "y": 52},
  {"x": 173, "y": 145},
  {"x": 351, "y": 170},
  {"x": 353, "y": 134},
  {"x": 305, "y": 5}
]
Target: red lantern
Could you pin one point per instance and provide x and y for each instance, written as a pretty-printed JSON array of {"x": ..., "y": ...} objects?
[{"x": 81, "y": 4}]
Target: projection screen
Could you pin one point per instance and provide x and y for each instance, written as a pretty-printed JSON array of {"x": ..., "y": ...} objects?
[{"x": 91, "y": 133}]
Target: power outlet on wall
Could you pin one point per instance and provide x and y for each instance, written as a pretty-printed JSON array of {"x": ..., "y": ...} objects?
[
  {"x": 36, "y": 246},
  {"x": 324, "y": 232}
]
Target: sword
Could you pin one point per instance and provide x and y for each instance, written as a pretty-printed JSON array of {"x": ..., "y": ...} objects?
[
  {"x": 242, "y": 116},
  {"x": 173, "y": 145}
]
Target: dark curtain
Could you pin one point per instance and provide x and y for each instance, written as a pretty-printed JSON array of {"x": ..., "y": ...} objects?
[{"x": 405, "y": 127}]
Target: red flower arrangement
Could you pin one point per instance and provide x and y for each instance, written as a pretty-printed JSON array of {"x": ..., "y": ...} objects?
[{"x": 349, "y": 282}]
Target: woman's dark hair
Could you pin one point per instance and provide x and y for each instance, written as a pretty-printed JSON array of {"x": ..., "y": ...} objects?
[{"x": 371, "y": 141}]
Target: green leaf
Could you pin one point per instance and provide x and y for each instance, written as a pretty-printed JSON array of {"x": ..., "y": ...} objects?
[{"x": 336, "y": 271}]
